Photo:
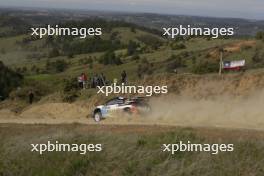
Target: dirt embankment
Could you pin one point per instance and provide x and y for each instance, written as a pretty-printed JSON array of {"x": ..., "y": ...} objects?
[
  {"x": 210, "y": 86},
  {"x": 232, "y": 48},
  {"x": 233, "y": 101}
]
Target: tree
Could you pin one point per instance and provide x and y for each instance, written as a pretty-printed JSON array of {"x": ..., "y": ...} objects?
[
  {"x": 132, "y": 29},
  {"x": 54, "y": 53},
  {"x": 8, "y": 80},
  {"x": 135, "y": 57},
  {"x": 60, "y": 65},
  {"x": 151, "y": 41},
  {"x": 110, "y": 58},
  {"x": 56, "y": 66},
  {"x": 260, "y": 35},
  {"x": 258, "y": 57},
  {"x": 144, "y": 68},
  {"x": 132, "y": 48},
  {"x": 203, "y": 67},
  {"x": 178, "y": 46},
  {"x": 174, "y": 62}
]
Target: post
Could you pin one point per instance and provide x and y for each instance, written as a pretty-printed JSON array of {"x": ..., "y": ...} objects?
[{"x": 221, "y": 62}]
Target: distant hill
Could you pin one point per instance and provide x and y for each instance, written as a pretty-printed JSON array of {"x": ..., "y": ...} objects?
[
  {"x": 150, "y": 20},
  {"x": 11, "y": 26},
  {"x": 242, "y": 26}
]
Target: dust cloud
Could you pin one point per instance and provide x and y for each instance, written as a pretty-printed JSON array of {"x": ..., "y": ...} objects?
[{"x": 220, "y": 111}]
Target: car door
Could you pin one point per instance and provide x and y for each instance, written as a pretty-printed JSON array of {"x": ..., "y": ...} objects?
[
  {"x": 111, "y": 106},
  {"x": 114, "y": 106}
]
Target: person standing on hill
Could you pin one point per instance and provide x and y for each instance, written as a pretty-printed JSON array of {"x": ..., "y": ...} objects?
[
  {"x": 115, "y": 81},
  {"x": 84, "y": 80},
  {"x": 80, "y": 82},
  {"x": 124, "y": 77},
  {"x": 92, "y": 82},
  {"x": 31, "y": 96},
  {"x": 102, "y": 80}
]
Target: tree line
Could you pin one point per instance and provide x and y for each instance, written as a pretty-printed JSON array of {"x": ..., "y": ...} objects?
[{"x": 9, "y": 80}]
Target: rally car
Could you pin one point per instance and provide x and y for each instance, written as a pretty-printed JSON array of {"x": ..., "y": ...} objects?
[{"x": 137, "y": 105}]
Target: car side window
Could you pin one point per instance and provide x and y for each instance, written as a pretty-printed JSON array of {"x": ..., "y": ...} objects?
[
  {"x": 120, "y": 101},
  {"x": 115, "y": 101},
  {"x": 111, "y": 102}
]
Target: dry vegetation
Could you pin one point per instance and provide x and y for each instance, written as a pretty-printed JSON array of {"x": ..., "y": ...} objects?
[{"x": 128, "y": 150}]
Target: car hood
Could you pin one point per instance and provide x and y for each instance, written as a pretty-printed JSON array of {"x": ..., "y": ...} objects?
[{"x": 100, "y": 106}]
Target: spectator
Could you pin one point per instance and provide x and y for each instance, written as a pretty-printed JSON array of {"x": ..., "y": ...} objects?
[
  {"x": 124, "y": 77},
  {"x": 80, "y": 82},
  {"x": 96, "y": 79},
  {"x": 31, "y": 97},
  {"x": 84, "y": 80},
  {"x": 115, "y": 81},
  {"x": 102, "y": 80},
  {"x": 93, "y": 82}
]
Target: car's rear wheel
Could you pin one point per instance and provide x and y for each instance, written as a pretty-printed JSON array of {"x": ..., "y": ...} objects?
[{"x": 97, "y": 116}]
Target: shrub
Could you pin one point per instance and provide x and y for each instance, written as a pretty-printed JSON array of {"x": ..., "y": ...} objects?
[
  {"x": 70, "y": 90},
  {"x": 175, "y": 62},
  {"x": 39, "y": 88},
  {"x": 70, "y": 85},
  {"x": 132, "y": 48},
  {"x": 70, "y": 97},
  {"x": 56, "y": 66},
  {"x": 110, "y": 58},
  {"x": 260, "y": 35},
  {"x": 86, "y": 61},
  {"x": 135, "y": 57},
  {"x": 9, "y": 80},
  {"x": 205, "y": 67},
  {"x": 179, "y": 46},
  {"x": 132, "y": 29},
  {"x": 144, "y": 68},
  {"x": 54, "y": 53},
  {"x": 70, "y": 55},
  {"x": 91, "y": 65},
  {"x": 256, "y": 58},
  {"x": 246, "y": 47},
  {"x": 151, "y": 41}
]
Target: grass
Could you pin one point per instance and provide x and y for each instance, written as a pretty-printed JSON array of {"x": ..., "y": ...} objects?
[
  {"x": 128, "y": 151},
  {"x": 19, "y": 57},
  {"x": 125, "y": 34}
]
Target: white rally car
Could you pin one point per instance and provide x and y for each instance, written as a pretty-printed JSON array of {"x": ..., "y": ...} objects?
[{"x": 120, "y": 104}]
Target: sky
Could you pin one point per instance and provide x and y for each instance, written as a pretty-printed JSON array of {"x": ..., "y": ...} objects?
[{"x": 250, "y": 9}]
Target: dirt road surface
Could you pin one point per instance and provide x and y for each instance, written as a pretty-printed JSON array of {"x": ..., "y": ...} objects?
[{"x": 186, "y": 113}]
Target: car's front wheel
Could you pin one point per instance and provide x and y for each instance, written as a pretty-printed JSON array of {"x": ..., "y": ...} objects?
[
  {"x": 128, "y": 111},
  {"x": 97, "y": 116}
]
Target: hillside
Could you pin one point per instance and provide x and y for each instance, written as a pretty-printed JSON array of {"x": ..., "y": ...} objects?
[{"x": 52, "y": 64}]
